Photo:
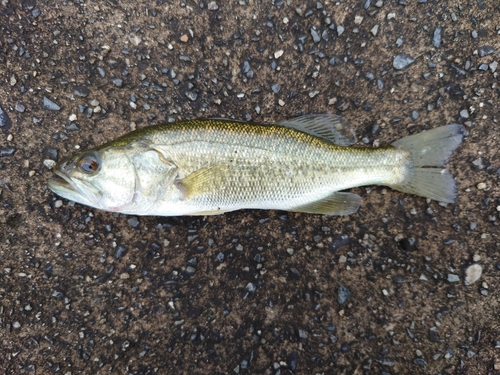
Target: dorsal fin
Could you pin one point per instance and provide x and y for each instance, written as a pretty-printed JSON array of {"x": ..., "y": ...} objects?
[{"x": 332, "y": 128}]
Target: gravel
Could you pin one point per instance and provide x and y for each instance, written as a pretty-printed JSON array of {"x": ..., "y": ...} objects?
[
  {"x": 50, "y": 105},
  {"x": 436, "y": 39},
  {"x": 473, "y": 273},
  {"x": 402, "y": 61},
  {"x": 5, "y": 121},
  {"x": 81, "y": 91},
  {"x": 7, "y": 151},
  {"x": 485, "y": 51},
  {"x": 343, "y": 294}
]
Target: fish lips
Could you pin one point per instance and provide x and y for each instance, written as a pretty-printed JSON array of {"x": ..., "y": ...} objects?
[{"x": 75, "y": 190}]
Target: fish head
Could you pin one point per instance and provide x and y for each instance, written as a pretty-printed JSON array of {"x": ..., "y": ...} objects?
[{"x": 100, "y": 178}]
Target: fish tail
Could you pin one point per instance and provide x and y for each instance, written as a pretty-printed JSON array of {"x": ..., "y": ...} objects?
[{"x": 430, "y": 150}]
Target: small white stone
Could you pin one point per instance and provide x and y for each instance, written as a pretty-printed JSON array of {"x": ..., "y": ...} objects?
[
  {"x": 278, "y": 54},
  {"x": 48, "y": 163},
  {"x": 342, "y": 259},
  {"x": 58, "y": 203},
  {"x": 72, "y": 117},
  {"x": 390, "y": 16},
  {"x": 473, "y": 273},
  {"x": 374, "y": 30},
  {"x": 358, "y": 20},
  {"x": 481, "y": 186},
  {"x": 132, "y": 105},
  {"x": 212, "y": 5}
]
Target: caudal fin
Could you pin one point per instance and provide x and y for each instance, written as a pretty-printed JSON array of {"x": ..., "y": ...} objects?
[{"x": 429, "y": 149}]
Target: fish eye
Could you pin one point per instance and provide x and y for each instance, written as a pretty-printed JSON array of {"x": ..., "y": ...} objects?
[{"x": 88, "y": 164}]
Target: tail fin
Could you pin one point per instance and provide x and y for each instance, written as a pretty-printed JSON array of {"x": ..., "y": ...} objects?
[{"x": 431, "y": 149}]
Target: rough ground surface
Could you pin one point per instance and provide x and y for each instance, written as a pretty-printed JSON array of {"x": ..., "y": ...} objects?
[{"x": 382, "y": 291}]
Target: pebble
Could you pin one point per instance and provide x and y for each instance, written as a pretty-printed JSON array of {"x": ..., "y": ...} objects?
[
  {"x": 316, "y": 37},
  {"x": 292, "y": 360},
  {"x": 278, "y": 54},
  {"x": 481, "y": 186},
  {"x": 50, "y": 105},
  {"x": 473, "y": 273},
  {"x": 191, "y": 95},
  {"x": 13, "y": 80},
  {"x": 120, "y": 251},
  {"x": 49, "y": 163},
  {"x": 436, "y": 39},
  {"x": 250, "y": 287},
  {"x": 402, "y": 61},
  {"x": 340, "y": 30},
  {"x": 213, "y": 6},
  {"x": 419, "y": 362},
  {"x": 414, "y": 115},
  {"x": 101, "y": 71},
  {"x": 184, "y": 38},
  {"x": 81, "y": 91},
  {"x": 343, "y": 295},
  {"x": 5, "y": 121},
  {"x": 464, "y": 113},
  {"x": 7, "y": 151},
  {"x": 375, "y": 29},
  {"x": 276, "y": 87},
  {"x": 133, "y": 222},
  {"x": 452, "y": 278},
  {"x": 485, "y": 50},
  {"x": 118, "y": 82},
  {"x": 72, "y": 117},
  {"x": 20, "y": 108}
]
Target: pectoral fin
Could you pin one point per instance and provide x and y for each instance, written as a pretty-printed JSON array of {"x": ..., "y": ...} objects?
[
  {"x": 336, "y": 204},
  {"x": 222, "y": 179}
]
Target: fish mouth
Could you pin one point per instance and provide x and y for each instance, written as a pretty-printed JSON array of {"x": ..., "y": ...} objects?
[{"x": 63, "y": 185}]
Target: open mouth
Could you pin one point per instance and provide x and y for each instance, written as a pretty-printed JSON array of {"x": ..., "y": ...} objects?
[
  {"x": 61, "y": 183},
  {"x": 58, "y": 182}
]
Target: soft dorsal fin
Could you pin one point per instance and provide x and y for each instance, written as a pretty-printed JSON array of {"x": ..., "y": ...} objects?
[
  {"x": 338, "y": 203},
  {"x": 332, "y": 128}
]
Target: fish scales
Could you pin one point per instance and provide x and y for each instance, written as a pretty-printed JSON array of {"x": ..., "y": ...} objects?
[{"x": 292, "y": 166}]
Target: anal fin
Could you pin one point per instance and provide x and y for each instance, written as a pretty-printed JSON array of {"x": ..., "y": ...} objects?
[{"x": 338, "y": 203}]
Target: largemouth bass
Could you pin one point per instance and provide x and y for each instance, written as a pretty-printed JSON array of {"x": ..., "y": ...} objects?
[{"x": 212, "y": 166}]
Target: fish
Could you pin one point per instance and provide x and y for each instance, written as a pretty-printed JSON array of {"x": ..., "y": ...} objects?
[{"x": 213, "y": 166}]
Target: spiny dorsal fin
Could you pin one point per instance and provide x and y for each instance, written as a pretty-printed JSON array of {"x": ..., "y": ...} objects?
[
  {"x": 336, "y": 204},
  {"x": 332, "y": 128}
]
